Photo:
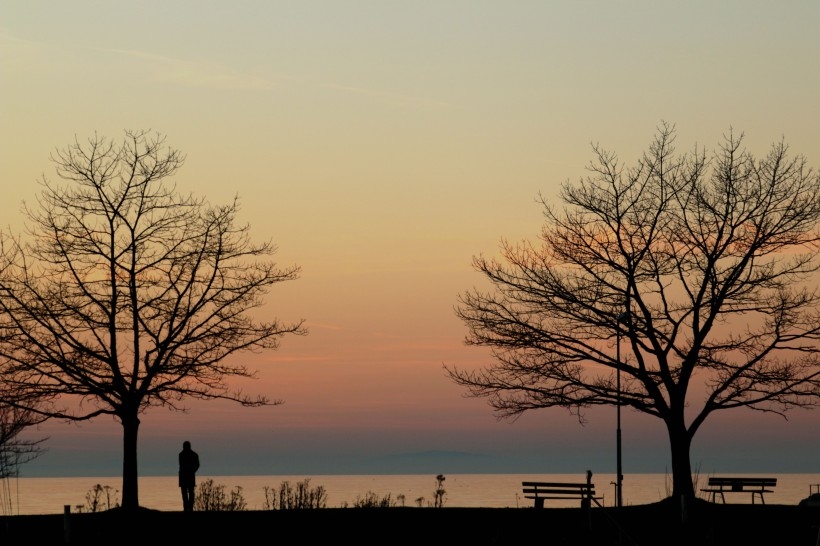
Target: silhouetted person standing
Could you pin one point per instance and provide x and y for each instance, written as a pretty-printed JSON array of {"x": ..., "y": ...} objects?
[{"x": 188, "y": 465}]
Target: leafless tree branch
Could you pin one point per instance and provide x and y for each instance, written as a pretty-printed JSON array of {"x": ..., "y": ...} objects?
[
  {"x": 126, "y": 294},
  {"x": 708, "y": 255}
]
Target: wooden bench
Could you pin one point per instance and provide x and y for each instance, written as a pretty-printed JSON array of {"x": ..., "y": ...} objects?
[
  {"x": 755, "y": 486},
  {"x": 541, "y": 491}
]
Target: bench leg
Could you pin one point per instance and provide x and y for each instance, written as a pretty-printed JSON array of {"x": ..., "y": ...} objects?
[
  {"x": 539, "y": 503},
  {"x": 714, "y": 495}
]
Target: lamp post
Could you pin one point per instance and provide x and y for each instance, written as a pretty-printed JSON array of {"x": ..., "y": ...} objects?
[{"x": 619, "y": 480}]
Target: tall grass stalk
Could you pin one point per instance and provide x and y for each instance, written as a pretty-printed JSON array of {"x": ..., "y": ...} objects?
[
  {"x": 299, "y": 497},
  {"x": 373, "y": 500}
]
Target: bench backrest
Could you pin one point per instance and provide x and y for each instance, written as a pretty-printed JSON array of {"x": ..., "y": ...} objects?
[
  {"x": 739, "y": 484},
  {"x": 556, "y": 488}
]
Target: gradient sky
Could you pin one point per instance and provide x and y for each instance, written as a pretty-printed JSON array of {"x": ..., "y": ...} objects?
[{"x": 380, "y": 145}]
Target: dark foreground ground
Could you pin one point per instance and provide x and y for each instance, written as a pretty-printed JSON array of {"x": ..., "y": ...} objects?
[{"x": 647, "y": 525}]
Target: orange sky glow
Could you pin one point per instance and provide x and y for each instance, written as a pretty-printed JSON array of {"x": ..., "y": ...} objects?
[{"x": 380, "y": 146}]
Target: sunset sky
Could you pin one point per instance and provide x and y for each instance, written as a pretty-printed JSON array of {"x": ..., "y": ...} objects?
[{"x": 381, "y": 145}]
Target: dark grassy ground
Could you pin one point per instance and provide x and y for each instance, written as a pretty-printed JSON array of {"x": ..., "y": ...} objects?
[{"x": 647, "y": 525}]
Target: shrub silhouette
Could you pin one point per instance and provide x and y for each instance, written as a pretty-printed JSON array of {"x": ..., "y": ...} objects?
[
  {"x": 299, "y": 497},
  {"x": 211, "y": 497}
]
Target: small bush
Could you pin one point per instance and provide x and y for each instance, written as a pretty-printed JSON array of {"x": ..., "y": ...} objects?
[
  {"x": 372, "y": 500},
  {"x": 99, "y": 498},
  {"x": 211, "y": 497},
  {"x": 300, "y": 497}
]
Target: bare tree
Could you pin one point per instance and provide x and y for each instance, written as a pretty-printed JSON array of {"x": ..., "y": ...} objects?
[
  {"x": 127, "y": 295},
  {"x": 14, "y": 449},
  {"x": 698, "y": 261}
]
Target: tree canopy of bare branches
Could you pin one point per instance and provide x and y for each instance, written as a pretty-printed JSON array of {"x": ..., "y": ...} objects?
[
  {"x": 14, "y": 449},
  {"x": 699, "y": 261},
  {"x": 125, "y": 294}
]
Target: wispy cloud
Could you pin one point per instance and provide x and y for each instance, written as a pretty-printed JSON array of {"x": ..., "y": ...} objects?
[
  {"x": 323, "y": 326},
  {"x": 197, "y": 73},
  {"x": 9, "y": 41},
  {"x": 33, "y": 56},
  {"x": 18, "y": 53},
  {"x": 396, "y": 98}
]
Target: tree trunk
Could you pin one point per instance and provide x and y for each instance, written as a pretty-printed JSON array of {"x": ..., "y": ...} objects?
[
  {"x": 130, "y": 491},
  {"x": 680, "y": 442}
]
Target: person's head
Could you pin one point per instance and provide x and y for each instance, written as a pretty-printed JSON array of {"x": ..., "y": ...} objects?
[{"x": 186, "y": 445}]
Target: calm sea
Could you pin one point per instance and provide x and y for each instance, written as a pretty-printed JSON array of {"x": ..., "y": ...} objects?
[{"x": 50, "y": 495}]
